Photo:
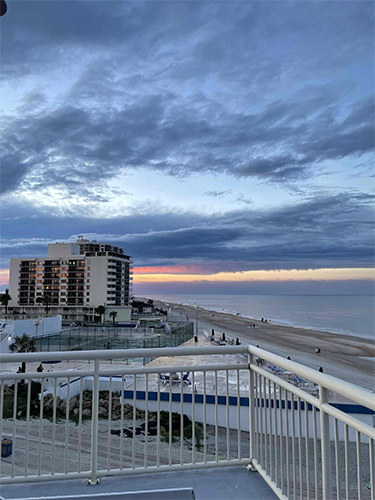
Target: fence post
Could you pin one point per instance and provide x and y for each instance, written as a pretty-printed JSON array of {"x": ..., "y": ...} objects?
[
  {"x": 250, "y": 358},
  {"x": 94, "y": 426},
  {"x": 326, "y": 445}
]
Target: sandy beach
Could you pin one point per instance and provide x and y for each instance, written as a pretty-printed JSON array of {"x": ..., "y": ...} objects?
[{"x": 343, "y": 356}]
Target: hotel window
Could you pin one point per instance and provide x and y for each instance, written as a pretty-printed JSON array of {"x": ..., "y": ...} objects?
[
  {"x": 88, "y": 262},
  {"x": 88, "y": 281},
  {"x": 40, "y": 275},
  {"x": 88, "y": 268},
  {"x": 39, "y": 281},
  {"x": 63, "y": 288},
  {"x": 40, "y": 269},
  {"x": 88, "y": 274},
  {"x": 63, "y": 275}
]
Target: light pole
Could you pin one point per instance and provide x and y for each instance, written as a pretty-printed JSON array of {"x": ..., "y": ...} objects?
[{"x": 196, "y": 319}]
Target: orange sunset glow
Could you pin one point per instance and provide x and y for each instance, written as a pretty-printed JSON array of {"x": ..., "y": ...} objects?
[{"x": 165, "y": 274}]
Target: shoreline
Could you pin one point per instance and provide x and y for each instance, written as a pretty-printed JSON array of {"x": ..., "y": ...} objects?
[
  {"x": 344, "y": 356},
  {"x": 275, "y": 321}
]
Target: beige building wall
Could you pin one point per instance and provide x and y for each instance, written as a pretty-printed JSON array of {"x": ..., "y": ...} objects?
[
  {"x": 13, "y": 280},
  {"x": 97, "y": 286}
]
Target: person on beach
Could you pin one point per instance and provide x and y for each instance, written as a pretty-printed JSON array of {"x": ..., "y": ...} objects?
[
  {"x": 321, "y": 369},
  {"x": 317, "y": 350},
  {"x": 40, "y": 368}
]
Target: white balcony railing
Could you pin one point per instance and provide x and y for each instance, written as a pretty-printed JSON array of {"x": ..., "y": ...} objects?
[{"x": 113, "y": 419}]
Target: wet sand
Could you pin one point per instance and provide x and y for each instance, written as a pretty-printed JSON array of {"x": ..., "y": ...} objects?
[{"x": 343, "y": 356}]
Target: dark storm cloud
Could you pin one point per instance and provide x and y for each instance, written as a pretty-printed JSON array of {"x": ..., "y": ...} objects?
[
  {"x": 69, "y": 144},
  {"x": 184, "y": 88},
  {"x": 322, "y": 232}
]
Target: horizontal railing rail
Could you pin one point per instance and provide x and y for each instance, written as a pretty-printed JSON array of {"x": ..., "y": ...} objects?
[{"x": 196, "y": 407}]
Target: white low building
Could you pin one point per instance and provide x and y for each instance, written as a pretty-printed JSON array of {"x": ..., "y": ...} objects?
[{"x": 31, "y": 327}]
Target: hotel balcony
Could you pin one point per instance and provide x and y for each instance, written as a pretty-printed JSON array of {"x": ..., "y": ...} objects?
[{"x": 203, "y": 422}]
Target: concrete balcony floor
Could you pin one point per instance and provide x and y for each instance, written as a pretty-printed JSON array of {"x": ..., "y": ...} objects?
[{"x": 223, "y": 483}]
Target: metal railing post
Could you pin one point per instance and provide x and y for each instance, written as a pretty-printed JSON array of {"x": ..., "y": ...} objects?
[
  {"x": 94, "y": 426},
  {"x": 250, "y": 358},
  {"x": 326, "y": 445}
]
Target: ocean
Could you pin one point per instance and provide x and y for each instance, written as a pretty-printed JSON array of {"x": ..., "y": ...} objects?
[{"x": 346, "y": 314}]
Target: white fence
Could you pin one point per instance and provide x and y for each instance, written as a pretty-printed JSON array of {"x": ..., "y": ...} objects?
[{"x": 113, "y": 420}]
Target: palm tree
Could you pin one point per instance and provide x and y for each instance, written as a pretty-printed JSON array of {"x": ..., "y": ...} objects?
[
  {"x": 113, "y": 315},
  {"x": 44, "y": 300},
  {"x": 23, "y": 344},
  {"x": 5, "y": 298},
  {"x": 100, "y": 310}
]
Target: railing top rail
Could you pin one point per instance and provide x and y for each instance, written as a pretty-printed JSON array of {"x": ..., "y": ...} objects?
[
  {"x": 106, "y": 371},
  {"x": 122, "y": 353},
  {"x": 346, "y": 389}
]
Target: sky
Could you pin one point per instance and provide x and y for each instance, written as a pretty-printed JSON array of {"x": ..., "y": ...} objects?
[{"x": 226, "y": 146}]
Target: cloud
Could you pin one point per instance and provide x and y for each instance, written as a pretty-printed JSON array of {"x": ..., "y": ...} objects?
[
  {"x": 322, "y": 232},
  {"x": 217, "y": 194},
  {"x": 81, "y": 148},
  {"x": 184, "y": 89},
  {"x": 273, "y": 93},
  {"x": 243, "y": 199}
]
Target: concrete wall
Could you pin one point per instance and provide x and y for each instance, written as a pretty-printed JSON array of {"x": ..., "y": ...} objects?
[
  {"x": 60, "y": 250},
  {"x": 37, "y": 327},
  {"x": 32, "y": 328},
  {"x": 123, "y": 313}
]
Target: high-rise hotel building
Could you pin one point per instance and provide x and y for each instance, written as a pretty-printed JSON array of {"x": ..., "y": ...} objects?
[{"x": 86, "y": 274}]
